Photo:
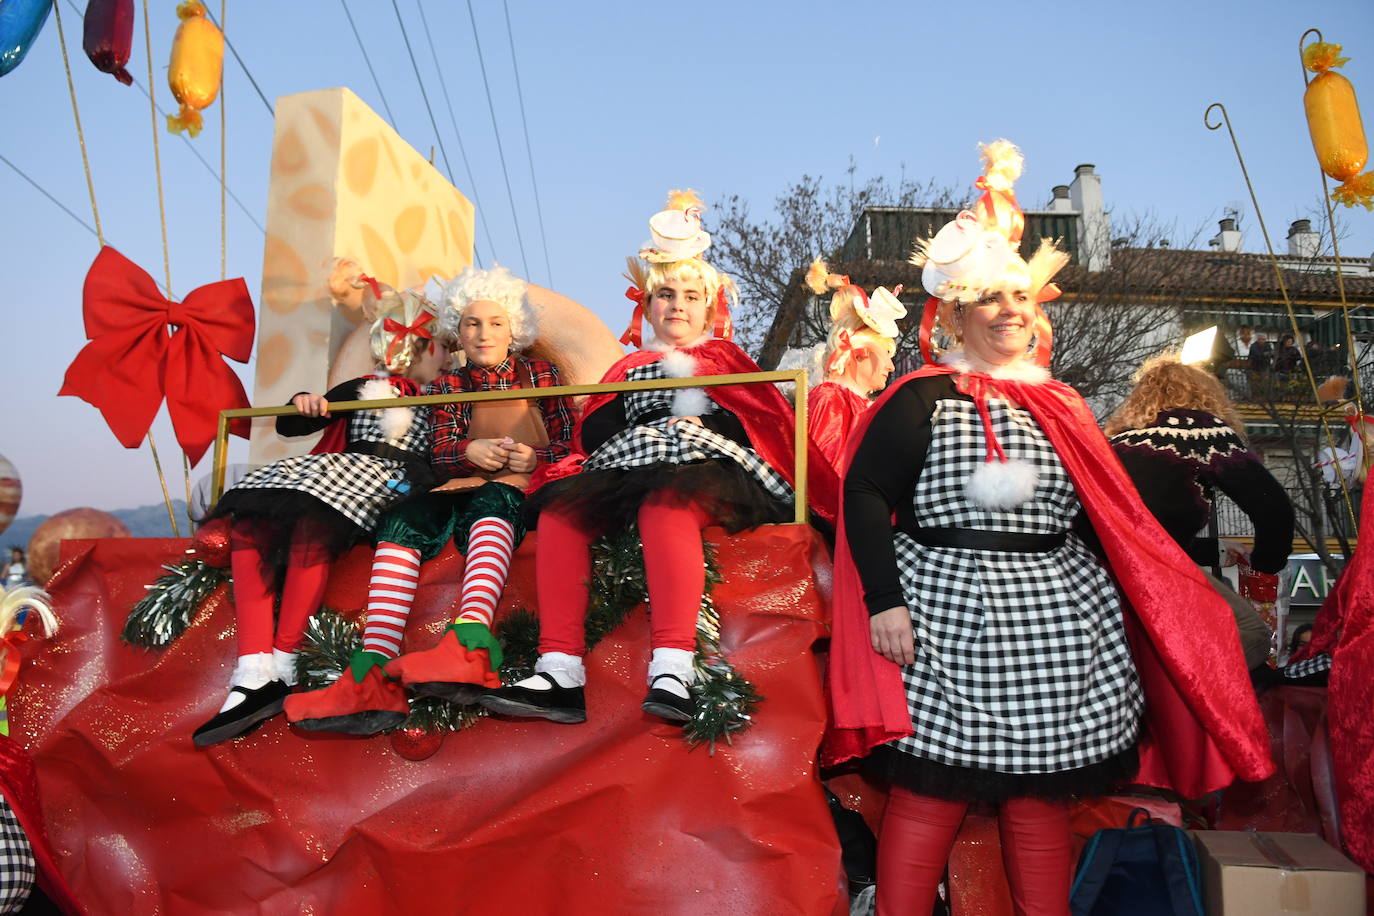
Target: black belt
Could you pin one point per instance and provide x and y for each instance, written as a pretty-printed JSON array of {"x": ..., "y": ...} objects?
[{"x": 977, "y": 539}]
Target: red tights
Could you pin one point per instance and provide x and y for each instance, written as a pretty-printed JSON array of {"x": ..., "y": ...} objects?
[
  {"x": 674, "y": 567},
  {"x": 918, "y": 832},
  {"x": 307, "y": 571}
]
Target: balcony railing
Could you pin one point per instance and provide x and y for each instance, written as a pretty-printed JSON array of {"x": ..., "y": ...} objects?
[{"x": 796, "y": 376}]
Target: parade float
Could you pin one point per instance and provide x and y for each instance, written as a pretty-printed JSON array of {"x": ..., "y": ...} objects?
[{"x": 454, "y": 811}]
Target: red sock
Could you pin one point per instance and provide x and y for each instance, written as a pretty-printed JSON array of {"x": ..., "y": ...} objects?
[
  {"x": 390, "y": 596},
  {"x": 1037, "y": 853},
  {"x": 253, "y": 598},
  {"x": 562, "y": 568},
  {"x": 917, "y": 834},
  {"x": 307, "y": 573},
  {"x": 490, "y": 544},
  {"x": 674, "y": 567}
]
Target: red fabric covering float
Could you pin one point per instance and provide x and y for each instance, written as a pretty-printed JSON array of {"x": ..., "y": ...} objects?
[{"x": 510, "y": 816}]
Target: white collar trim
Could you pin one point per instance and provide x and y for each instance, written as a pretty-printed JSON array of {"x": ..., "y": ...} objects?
[{"x": 1023, "y": 370}]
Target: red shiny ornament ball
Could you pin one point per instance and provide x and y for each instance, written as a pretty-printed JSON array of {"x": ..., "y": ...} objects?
[
  {"x": 211, "y": 543},
  {"x": 415, "y": 743}
]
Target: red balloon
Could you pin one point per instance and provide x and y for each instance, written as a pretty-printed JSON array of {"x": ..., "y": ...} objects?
[
  {"x": 45, "y": 546},
  {"x": 109, "y": 36}
]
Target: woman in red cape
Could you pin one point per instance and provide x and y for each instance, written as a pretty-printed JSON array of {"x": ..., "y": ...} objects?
[
  {"x": 669, "y": 461},
  {"x": 980, "y": 649}
]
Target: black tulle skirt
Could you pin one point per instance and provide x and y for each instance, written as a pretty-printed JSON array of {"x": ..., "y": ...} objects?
[
  {"x": 288, "y": 516},
  {"x": 606, "y": 500},
  {"x": 889, "y": 765}
]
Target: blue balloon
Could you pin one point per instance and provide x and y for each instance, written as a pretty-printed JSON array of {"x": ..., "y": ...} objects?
[{"x": 20, "y": 23}]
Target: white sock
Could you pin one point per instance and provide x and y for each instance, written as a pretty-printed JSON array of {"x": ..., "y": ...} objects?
[
  {"x": 286, "y": 666},
  {"x": 252, "y": 671},
  {"x": 566, "y": 670},
  {"x": 677, "y": 662}
]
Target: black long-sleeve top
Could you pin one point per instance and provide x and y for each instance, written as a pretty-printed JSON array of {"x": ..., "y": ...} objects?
[
  {"x": 1177, "y": 462},
  {"x": 297, "y": 425}
]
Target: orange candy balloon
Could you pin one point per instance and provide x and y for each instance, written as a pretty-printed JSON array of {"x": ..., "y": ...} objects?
[
  {"x": 196, "y": 68},
  {"x": 1333, "y": 119}
]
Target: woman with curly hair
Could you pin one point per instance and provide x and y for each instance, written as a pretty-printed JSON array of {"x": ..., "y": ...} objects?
[{"x": 1180, "y": 440}]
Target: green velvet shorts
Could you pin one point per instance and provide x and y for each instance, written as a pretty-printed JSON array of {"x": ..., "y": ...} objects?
[{"x": 427, "y": 522}]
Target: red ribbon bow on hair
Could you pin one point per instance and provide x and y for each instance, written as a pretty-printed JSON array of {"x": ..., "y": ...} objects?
[
  {"x": 131, "y": 361},
  {"x": 399, "y": 332},
  {"x": 843, "y": 346}
]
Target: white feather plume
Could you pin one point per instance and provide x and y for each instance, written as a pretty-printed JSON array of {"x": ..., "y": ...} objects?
[
  {"x": 39, "y": 603},
  {"x": 395, "y": 421},
  {"x": 1002, "y": 484}
]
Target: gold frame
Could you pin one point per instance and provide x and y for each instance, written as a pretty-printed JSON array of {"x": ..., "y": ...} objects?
[{"x": 797, "y": 376}]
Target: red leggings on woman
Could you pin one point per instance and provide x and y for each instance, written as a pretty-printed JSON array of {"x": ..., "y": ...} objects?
[
  {"x": 674, "y": 567},
  {"x": 307, "y": 572},
  {"x": 918, "y": 832}
]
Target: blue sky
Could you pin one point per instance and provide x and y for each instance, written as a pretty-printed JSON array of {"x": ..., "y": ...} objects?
[{"x": 626, "y": 100}]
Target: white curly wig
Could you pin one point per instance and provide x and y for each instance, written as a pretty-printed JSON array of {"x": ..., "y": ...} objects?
[{"x": 497, "y": 285}]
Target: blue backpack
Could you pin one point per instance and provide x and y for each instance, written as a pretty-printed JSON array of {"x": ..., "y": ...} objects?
[{"x": 1146, "y": 870}]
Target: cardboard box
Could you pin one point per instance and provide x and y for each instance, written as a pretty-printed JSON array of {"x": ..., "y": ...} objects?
[{"x": 1246, "y": 873}]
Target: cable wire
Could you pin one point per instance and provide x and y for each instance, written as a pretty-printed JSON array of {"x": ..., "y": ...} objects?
[
  {"x": 479, "y": 214},
  {"x": 242, "y": 66},
  {"x": 538, "y": 207},
  {"x": 405, "y": 36},
  {"x": 367, "y": 60},
  {"x": 44, "y": 191},
  {"x": 500, "y": 151}
]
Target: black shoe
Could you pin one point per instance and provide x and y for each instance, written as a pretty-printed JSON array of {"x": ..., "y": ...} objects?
[
  {"x": 667, "y": 705},
  {"x": 258, "y": 706},
  {"x": 557, "y": 704}
]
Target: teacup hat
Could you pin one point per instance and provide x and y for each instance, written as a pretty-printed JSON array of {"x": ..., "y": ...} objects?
[{"x": 676, "y": 230}]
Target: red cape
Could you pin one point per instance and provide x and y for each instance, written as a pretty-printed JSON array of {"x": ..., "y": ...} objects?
[
  {"x": 19, "y": 784},
  {"x": 1204, "y": 726},
  {"x": 831, "y": 412},
  {"x": 1344, "y": 628},
  {"x": 764, "y": 412}
]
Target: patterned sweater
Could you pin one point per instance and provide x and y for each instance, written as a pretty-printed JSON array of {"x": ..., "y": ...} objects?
[{"x": 1178, "y": 462}]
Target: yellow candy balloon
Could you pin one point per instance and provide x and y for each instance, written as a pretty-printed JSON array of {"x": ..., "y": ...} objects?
[
  {"x": 1333, "y": 119},
  {"x": 196, "y": 68}
]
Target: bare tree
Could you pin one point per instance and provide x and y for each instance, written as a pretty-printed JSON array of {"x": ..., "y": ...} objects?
[{"x": 809, "y": 220}]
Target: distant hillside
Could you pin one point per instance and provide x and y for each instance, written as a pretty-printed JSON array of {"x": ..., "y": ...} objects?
[{"x": 143, "y": 522}]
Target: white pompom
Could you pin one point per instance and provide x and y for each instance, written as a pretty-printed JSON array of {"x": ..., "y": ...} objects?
[
  {"x": 395, "y": 421},
  {"x": 1002, "y": 484},
  {"x": 690, "y": 402},
  {"x": 677, "y": 364}
]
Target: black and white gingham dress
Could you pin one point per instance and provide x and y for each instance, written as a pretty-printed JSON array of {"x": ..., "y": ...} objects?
[
  {"x": 358, "y": 486},
  {"x": 1022, "y": 665},
  {"x": 649, "y": 440},
  {"x": 17, "y": 868}
]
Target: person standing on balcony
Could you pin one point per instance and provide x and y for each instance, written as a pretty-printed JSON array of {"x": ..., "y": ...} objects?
[{"x": 1180, "y": 440}]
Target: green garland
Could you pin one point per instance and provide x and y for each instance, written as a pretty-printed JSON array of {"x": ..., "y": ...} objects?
[
  {"x": 725, "y": 700},
  {"x": 166, "y": 611}
]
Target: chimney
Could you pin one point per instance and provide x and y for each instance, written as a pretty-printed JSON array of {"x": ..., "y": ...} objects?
[
  {"x": 1228, "y": 239},
  {"x": 1085, "y": 194},
  {"x": 1059, "y": 201},
  {"x": 1302, "y": 241}
]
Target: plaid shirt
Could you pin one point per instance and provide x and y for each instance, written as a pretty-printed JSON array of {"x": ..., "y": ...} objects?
[{"x": 449, "y": 449}]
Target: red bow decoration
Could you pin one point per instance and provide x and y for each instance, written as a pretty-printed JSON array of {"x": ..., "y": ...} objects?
[
  {"x": 843, "y": 346},
  {"x": 131, "y": 361},
  {"x": 9, "y": 645},
  {"x": 399, "y": 332}
]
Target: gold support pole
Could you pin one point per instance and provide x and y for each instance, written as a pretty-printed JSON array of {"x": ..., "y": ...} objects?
[
  {"x": 797, "y": 376},
  {"x": 1283, "y": 289}
]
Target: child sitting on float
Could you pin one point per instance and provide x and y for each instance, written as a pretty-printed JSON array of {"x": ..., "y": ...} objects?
[
  {"x": 669, "y": 461},
  {"x": 485, "y": 453},
  {"x": 303, "y": 511},
  {"x": 857, "y": 358}
]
